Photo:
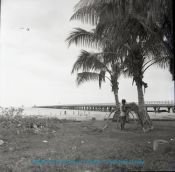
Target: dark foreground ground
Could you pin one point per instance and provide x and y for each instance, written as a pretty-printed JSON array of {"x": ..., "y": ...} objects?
[{"x": 82, "y": 141}]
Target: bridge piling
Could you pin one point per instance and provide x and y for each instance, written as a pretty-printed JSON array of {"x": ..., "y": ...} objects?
[{"x": 156, "y": 106}]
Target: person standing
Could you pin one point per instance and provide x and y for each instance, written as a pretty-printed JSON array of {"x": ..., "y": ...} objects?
[{"x": 123, "y": 114}]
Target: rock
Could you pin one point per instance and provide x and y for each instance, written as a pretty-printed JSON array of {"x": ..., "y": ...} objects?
[
  {"x": 82, "y": 142},
  {"x": 1, "y": 142},
  {"x": 45, "y": 141},
  {"x": 159, "y": 144}
]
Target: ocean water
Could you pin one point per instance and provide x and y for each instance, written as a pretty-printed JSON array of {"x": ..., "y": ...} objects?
[
  {"x": 83, "y": 115},
  {"x": 65, "y": 113}
]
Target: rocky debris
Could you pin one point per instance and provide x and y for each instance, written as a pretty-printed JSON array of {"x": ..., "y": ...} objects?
[
  {"x": 45, "y": 141},
  {"x": 82, "y": 142},
  {"x": 1, "y": 142},
  {"x": 163, "y": 146}
]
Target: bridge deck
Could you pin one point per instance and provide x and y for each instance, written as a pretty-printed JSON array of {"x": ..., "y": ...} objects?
[{"x": 155, "y": 107}]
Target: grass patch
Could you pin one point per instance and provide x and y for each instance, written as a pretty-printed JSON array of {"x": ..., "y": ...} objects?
[{"x": 23, "y": 142}]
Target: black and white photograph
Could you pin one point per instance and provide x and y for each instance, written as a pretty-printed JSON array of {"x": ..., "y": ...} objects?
[{"x": 87, "y": 86}]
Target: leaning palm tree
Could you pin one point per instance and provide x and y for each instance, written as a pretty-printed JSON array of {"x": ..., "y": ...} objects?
[{"x": 110, "y": 60}]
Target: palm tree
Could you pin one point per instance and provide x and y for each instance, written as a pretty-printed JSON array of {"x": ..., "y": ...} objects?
[
  {"x": 137, "y": 63},
  {"x": 144, "y": 50},
  {"x": 96, "y": 66},
  {"x": 157, "y": 19},
  {"x": 124, "y": 20},
  {"x": 156, "y": 16},
  {"x": 111, "y": 60}
]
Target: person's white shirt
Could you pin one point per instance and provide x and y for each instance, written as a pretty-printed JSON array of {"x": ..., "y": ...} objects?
[{"x": 122, "y": 113}]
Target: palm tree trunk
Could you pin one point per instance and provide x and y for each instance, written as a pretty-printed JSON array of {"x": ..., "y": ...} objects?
[
  {"x": 143, "y": 115},
  {"x": 117, "y": 103},
  {"x": 116, "y": 97}
]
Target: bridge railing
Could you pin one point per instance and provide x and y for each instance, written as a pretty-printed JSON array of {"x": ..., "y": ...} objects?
[{"x": 159, "y": 102}]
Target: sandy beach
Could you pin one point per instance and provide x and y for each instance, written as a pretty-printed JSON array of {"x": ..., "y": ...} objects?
[{"x": 84, "y": 115}]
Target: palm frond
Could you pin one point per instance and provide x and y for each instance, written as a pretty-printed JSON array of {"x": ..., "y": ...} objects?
[
  {"x": 163, "y": 63},
  {"x": 91, "y": 11},
  {"x": 85, "y": 3},
  {"x": 86, "y": 76},
  {"x": 101, "y": 77},
  {"x": 89, "y": 61},
  {"x": 87, "y": 14},
  {"x": 82, "y": 37}
]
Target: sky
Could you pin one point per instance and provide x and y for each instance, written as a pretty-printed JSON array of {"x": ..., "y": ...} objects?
[{"x": 36, "y": 63}]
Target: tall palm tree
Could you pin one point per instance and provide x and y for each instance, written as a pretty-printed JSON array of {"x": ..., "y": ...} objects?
[
  {"x": 136, "y": 65},
  {"x": 96, "y": 66},
  {"x": 124, "y": 20},
  {"x": 144, "y": 50},
  {"x": 156, "y": 16}
]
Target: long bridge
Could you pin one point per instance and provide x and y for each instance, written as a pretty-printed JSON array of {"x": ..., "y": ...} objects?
[{"x": 151, "y": 106}]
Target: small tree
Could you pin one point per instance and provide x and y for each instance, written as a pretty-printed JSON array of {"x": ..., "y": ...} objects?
[{"x": 97, "y": 66}]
